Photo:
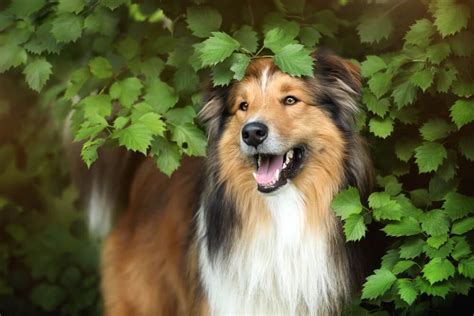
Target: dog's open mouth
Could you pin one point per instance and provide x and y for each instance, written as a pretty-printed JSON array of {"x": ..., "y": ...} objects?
[{"x": 273, "y": 171}]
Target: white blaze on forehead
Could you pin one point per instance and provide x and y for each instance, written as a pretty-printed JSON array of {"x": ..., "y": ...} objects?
[{"x": 264, "y": 78}]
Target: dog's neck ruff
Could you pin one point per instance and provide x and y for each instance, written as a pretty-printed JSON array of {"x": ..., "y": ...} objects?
[{"x": 286, "y": 269}]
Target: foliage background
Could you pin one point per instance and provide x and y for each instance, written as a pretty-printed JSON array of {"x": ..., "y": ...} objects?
[{"x": 133, "y": 72}]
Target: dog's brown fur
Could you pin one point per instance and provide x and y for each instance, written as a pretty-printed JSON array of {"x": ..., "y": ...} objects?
[{"x": 150, "y": 259}]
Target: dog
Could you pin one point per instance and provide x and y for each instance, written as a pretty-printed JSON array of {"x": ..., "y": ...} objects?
[{"x": 249, "y": 229}]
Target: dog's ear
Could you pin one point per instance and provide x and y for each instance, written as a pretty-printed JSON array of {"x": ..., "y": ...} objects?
[
  {"x": 337, "y": 70},
  {"x": 214, "y": 110}
]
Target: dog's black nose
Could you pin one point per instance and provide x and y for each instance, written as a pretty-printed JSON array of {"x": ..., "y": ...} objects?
[{"x": 254, "y": 133}]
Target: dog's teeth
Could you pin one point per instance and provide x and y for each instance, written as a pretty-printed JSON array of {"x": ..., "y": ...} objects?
[
  {"x": 259, "y": 161},
  {"x": 289, "y": 154},
  {"x": 277, "y": 175},
  {"x": 254, "y": 175}
]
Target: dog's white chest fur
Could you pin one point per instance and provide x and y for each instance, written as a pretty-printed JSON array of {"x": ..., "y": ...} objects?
[{"x": 282, "y": 271}]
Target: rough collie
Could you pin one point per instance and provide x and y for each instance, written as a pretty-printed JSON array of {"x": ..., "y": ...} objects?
[{"x": 248, "y": 230}]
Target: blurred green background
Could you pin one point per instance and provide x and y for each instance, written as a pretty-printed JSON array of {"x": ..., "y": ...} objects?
[{"x": 48, "y": 262}]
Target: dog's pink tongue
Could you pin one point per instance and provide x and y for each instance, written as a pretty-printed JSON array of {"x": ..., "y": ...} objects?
[{"x": 267, "y": 171}]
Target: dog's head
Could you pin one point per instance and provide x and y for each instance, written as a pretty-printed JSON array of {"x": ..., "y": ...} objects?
[{"x": 271, "y": 128}]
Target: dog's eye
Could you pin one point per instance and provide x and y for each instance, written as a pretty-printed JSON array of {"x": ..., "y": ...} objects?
[
  {"x": 290, "y": 100},
  {"x": 243, "y": 106}
]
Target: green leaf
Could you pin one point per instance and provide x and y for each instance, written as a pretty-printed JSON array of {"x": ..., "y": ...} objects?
[
  {"x": 153, "y": 122},
  {"x": 462, "y": 44},
  {"x": 379, "y": 107},
  {"x": 136, "y": 137},
  {"x": 411, "y": 248},
  {"x": 404, "y": 149},
  {"x": 120, "y": 122},
  {"x": 11, "y": 55},
  {"x": 440, "y": 252},
  {"x": 354, "y": 227},
  {"x": 430, "y": 156},
  {"x": 295, "y": 60},
  {"x": 43, "y": 41},
  {"x": 437, "y": 241},
  {"x": 309, "y": 36},
  {"x": 461, "y": 249},
  {"x": 463, "y": 226},
  {"x": 101, "y": 68},
  {"x": 377, "y": 284},
  {"x": 90, "y": 128},
  {"x": 247, "y": 38},
  {"x": 372, "y": 65},
  {"x": 47, "y": 296},
  {"x": 435, "y": 129},
  {"x": 407, "y": 290},
  {"x": 75, "y": 83},
  {"x": 374, "y": 26},
  {"x": 462, "y": 112},
  {"x": 181, "y": 115},
  {"x": 160, "y": 96},
  {"x": 438, "y": 269},
  {"x": 222, "y": 74},
  {"x": 435, "y": 223},
  {"x": 71, "y": 6},
  {"x": 112, "y": 4},
  {"x": 462, "y": 286},
  {"x": 239, "y": 65},
  {"x": 423, "y": 79},
  {"x": 438, "y": 52},
  {"x": 408, "y": 226},
  {"x": 381, "y": 127},
  {"x": 67, "y": 27},
  {"x": 380, "y": 83},
  {"x": 185, "y": 79},
  {"x": 347, "y": 203},
  {"x": 279, "y": 37},
  {"x": 420, "y": 33},
  {"x": 445, "y": 77},
  {"x": 37, "y": 73},
  {"x": 457, "y": 205},
  {"x": 217, "y": 48},
  {"x": 466, "y": 146},
  {"x": 128, "y": 48},
  {"x": 97, "y": 105},
  {"x": 450, "y": 17},
  {"x": 402, "y": 266},
  {"x": 390, "y": 259},
  {"x": 190, "y": 138},
  {"x": 24, "y": 8},
  {"x": 202, "y": 21},
  {"x": 390, "y": 184},
  {"x": 440, "y": 289},
  {"x": 384, "y": 207},
  {"x": 101, "y": 21},
  {"x": 404, "y": 94},
  {"x": 166, "y": 155},
  {"x": 126, "y": 91},
  {"x": 466, "y": 267},
  {"x": 89, "y": 150}
]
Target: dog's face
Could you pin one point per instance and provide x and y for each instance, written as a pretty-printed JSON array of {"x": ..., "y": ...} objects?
[{"x": 273, "y": 128}]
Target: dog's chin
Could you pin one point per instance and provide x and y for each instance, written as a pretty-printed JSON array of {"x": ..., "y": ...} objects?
[{"x": 275, "y": 170}]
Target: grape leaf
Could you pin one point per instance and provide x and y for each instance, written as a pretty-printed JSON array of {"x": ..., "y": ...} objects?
[
  {"x": 217, "y": 48},
  {"x": 37, "y": 73},
  {"x": 438, "y": 269},
  {"x": 67, "y": 27},
  {"x": 377, "y": 284},
  {"x": 347, "y": 203},
  {"x": 202, "y": 21},
  {"x": 430, "y": 156},
  {"x": 462, "y": 112},
  {"x": 295, "y": 60}
]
